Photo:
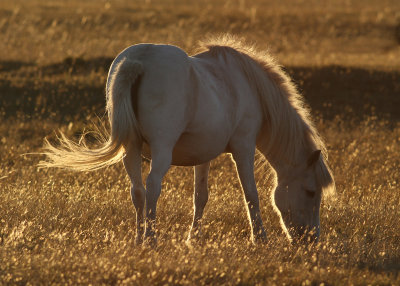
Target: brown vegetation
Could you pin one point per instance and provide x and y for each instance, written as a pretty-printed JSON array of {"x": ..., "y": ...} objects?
[{"x": 61, "y": 227}]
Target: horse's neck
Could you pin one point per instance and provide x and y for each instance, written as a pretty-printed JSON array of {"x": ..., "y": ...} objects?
[{"x": 282, "y": 166}]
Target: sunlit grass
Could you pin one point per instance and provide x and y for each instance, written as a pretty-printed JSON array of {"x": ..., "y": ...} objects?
[
  {"x": 58, "y": 226},
  {"x": 340, "y": 32}
]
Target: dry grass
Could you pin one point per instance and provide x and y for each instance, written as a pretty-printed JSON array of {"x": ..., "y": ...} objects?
[
  {"x": 340, "y": 32},
  {"x": 58, "y": 227}
]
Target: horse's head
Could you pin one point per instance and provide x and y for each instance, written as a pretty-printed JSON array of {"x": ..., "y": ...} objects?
[{"x": 298, "y": 199}]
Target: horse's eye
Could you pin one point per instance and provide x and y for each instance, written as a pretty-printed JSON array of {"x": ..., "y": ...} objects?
[{"x": 310, "y": 193}]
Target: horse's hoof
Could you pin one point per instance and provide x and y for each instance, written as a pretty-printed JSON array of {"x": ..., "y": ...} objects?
[
  {"x": 194, "y": 236},
  {"x": 139, "y": 240},
  {"x": 150, "y": 241},
  {"x": 260, "y": 239}
]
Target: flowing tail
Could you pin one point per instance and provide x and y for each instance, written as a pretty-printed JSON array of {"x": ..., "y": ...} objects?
[{"x": 124, "y": 127}]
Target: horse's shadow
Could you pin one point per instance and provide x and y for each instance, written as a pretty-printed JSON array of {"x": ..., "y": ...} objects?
[{"x": 351, "y": 93}]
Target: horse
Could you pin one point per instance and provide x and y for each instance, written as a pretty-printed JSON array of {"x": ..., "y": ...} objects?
[{"x": 176, "y": 109}]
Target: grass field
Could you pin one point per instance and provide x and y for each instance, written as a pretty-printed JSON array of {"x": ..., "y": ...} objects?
[{"x": 59, "y": 227}]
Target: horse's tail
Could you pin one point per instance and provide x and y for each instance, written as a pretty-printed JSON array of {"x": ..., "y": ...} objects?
[{"x": 124, "y": 127}]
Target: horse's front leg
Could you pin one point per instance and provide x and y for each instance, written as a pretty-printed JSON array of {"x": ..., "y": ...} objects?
[
  {"x": 200, "y": 197},
  {"x": 160, "y": 162},
  {"x": 245, "y": 166}
]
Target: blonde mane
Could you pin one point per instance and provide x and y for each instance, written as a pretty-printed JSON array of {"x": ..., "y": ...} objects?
[{"x": 290, "y": 128}]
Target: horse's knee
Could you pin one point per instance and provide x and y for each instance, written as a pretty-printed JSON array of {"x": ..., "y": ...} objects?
[{"x": 138, "y": 196}]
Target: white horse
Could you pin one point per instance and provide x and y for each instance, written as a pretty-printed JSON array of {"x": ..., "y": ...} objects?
[{"x": 186, "y": 110}]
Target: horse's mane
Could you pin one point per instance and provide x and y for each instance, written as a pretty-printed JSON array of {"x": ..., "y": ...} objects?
[{"x": 290, "y": 128}]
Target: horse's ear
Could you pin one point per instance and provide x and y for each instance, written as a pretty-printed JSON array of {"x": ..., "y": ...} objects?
[{"x": 314, "y": 157}]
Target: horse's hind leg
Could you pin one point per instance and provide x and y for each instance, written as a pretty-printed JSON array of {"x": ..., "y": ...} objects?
[
  {"x": 133, "y": 166},
  {"x": 161, "y": 157},
  {"x": 200, "y": 197},
  {"x": 244, "y": 159}
]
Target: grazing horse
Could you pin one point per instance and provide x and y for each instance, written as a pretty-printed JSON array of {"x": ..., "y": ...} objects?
[{"x": 185, "y": 110}]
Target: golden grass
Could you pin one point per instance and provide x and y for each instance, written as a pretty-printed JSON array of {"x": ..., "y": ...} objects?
[
  {"x": 300, "y": 33},
  {"x": 58, "y": 227}
]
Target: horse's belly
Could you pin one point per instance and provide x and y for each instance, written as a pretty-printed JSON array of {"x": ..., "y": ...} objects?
[{"x": 192, "y": 150}]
